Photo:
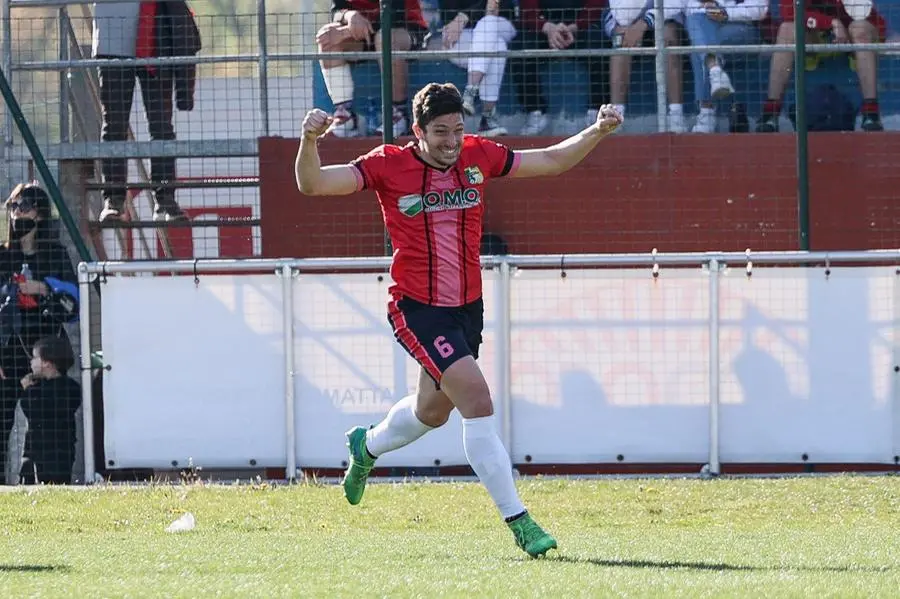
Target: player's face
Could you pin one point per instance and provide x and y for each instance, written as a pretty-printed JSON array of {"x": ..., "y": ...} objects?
[{"x": 442, "y": 139}]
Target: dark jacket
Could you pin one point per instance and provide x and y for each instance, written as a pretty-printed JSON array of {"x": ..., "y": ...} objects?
[
  {"x": 25, "y": 319},
  {"x": 474, "y": 9},
  {"x": 534, "y": 13},
  {"x": 405, "y": 13},
  {"x": 177, "y": 34},
  {"x": 50, "y": 406}
]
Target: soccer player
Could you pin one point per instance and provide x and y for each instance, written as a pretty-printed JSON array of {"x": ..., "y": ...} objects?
[{"x": 431, "y": 195}]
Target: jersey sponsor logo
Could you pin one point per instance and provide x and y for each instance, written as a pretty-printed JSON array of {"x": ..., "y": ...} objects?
[
  {"x": 473, "y": 175},
  {"x": 410, "y": 205},
  {"x": 439, "y": 201}
]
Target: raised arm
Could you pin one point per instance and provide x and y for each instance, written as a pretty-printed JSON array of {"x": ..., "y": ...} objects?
[
  {"x": 313, "y": 178},
  {"x": 558, "y": 158}
]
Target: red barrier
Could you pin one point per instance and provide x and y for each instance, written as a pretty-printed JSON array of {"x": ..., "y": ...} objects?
[{"x": 632, "y": 194}]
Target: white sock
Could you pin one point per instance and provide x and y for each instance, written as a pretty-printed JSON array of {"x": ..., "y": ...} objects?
[
  {"x": 339, "y": 83},
  {"x": 491, "y": 463},
  {"x": 676, "y": 108},
  {"x": 400, "y": 427},
  {"x": 620, "y": 108}
]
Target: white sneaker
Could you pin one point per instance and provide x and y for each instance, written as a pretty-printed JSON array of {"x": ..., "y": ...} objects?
[
  {"x": 706, "y": 122},
  {"x": 345, "y": 123},
  {"x": 490, "y": 126},
  {"x": 719, "y": 83},
  {"x": 536, "y": 122},
  {"x": 401, "y": 125},
  {"x": 470, "y": 98},
  {"x": 677, "y": 123}
]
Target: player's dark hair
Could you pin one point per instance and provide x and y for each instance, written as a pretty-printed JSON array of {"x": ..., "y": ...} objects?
[
  {"x": 57, "y": 351},
  {"x": 434, "y": 100}
]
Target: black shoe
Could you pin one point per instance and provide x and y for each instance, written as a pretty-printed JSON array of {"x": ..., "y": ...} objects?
[
  {"x": 737, "y": 119},
  {"x": 767, "y": 124},
  {"x": 871, "y": 122}
]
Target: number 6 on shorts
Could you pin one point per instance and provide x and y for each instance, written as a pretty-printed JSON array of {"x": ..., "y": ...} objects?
[{"x": 443, "y": 347}]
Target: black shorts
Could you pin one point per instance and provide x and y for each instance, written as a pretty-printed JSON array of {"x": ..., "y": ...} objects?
[{"x": 436, "y": 336}]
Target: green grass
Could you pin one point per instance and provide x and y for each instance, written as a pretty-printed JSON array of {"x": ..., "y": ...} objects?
[{"x": 809, "y": 537}]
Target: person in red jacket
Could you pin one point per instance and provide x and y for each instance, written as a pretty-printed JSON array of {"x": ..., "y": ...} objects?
[
  {"x": 855, "y": 21},
  {"x": 354, "y": 27}
]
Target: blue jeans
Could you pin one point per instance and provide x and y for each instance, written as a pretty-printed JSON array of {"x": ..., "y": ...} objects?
[{"x": 703, "y": 31}]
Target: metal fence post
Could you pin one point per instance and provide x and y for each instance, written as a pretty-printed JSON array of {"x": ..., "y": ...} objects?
[
  {"x": 714, "y": 270},
  {"x": 87, "y": 371},
  {"x": 504, "y": 351},
  {"x": 662, "y": 59},
  {"x": 290, "y": 425},
  {"x": 263, "y": 67}
]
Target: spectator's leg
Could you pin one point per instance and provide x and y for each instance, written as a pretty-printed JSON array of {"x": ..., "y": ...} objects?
[
  {"x": 864, "y": 32},
  {"x": 400, "y": 40},
  {"x": 116, "y": 95},
  {"x": 339, "y": 83},
  {"x": 526, "y": 78},
  {"x": 780, "y": 70},
  {"x": 491, "y": 34},
  {"x": 672, "y": 35},
  {"x": 156, "y": 90},
  {"x": 598, "y": 67},
  {"x": 702, "y": 31},
  {"x": 620, "y": 68}
]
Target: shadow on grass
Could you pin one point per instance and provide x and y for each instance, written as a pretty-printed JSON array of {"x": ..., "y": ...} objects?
[
  {"x": 712, "y": 566},
  {"x": 34, "y": 568}
]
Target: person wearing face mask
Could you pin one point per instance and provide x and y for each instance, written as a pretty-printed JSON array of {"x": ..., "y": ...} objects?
[{"x": 38, "y": 292}]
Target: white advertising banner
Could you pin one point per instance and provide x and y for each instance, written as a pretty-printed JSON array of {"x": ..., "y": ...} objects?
[
  {"x": 807, "y": 365},
  {"x": 197, "y": 371},
  {"x": 610, "y": 365},
  {"x": 350, "y": 370},
  {"x": 607, "y": 365}
]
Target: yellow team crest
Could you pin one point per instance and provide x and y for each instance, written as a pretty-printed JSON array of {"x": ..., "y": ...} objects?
[{"x": 473, "y": 175}]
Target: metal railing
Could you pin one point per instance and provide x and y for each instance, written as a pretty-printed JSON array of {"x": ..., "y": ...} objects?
[
  {"x": 264, "y": 57},
  {"x": 714, "y": 262}
]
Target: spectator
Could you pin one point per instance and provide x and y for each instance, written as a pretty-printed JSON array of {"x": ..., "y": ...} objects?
[
  {"x": 710, "y": 23},
  {"x": 38, "y": 292},
  {"x": 354, "y": 27},
  {"x": 480, "y": 25},
  {"x": 557, "y": 25},
  {"x": 49, "y": 402},
  {"x": 630, "y": 24},
  {"x": 855, "y": 22},
  {"x": 143, "y": 30}
]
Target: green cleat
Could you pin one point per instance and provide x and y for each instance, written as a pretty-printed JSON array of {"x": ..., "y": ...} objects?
[
  {"x": 531, "y": 538},
  {"x": 361, "y": 463}
]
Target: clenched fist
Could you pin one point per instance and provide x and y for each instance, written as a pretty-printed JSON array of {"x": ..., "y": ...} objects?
[
  {"x": 608, "y": 119},
  {"x": 316, "y": 124}
]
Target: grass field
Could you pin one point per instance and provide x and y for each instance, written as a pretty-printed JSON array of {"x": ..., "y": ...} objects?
[{"x": 802, "y": 537}]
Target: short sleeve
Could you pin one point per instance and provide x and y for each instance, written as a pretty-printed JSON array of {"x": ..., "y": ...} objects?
[
  {"x": 500, "y": 159},
  {"x": 369, "y": 169}
]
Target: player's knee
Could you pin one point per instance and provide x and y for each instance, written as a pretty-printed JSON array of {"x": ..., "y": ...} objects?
[{"x": 433, "y": 414}]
